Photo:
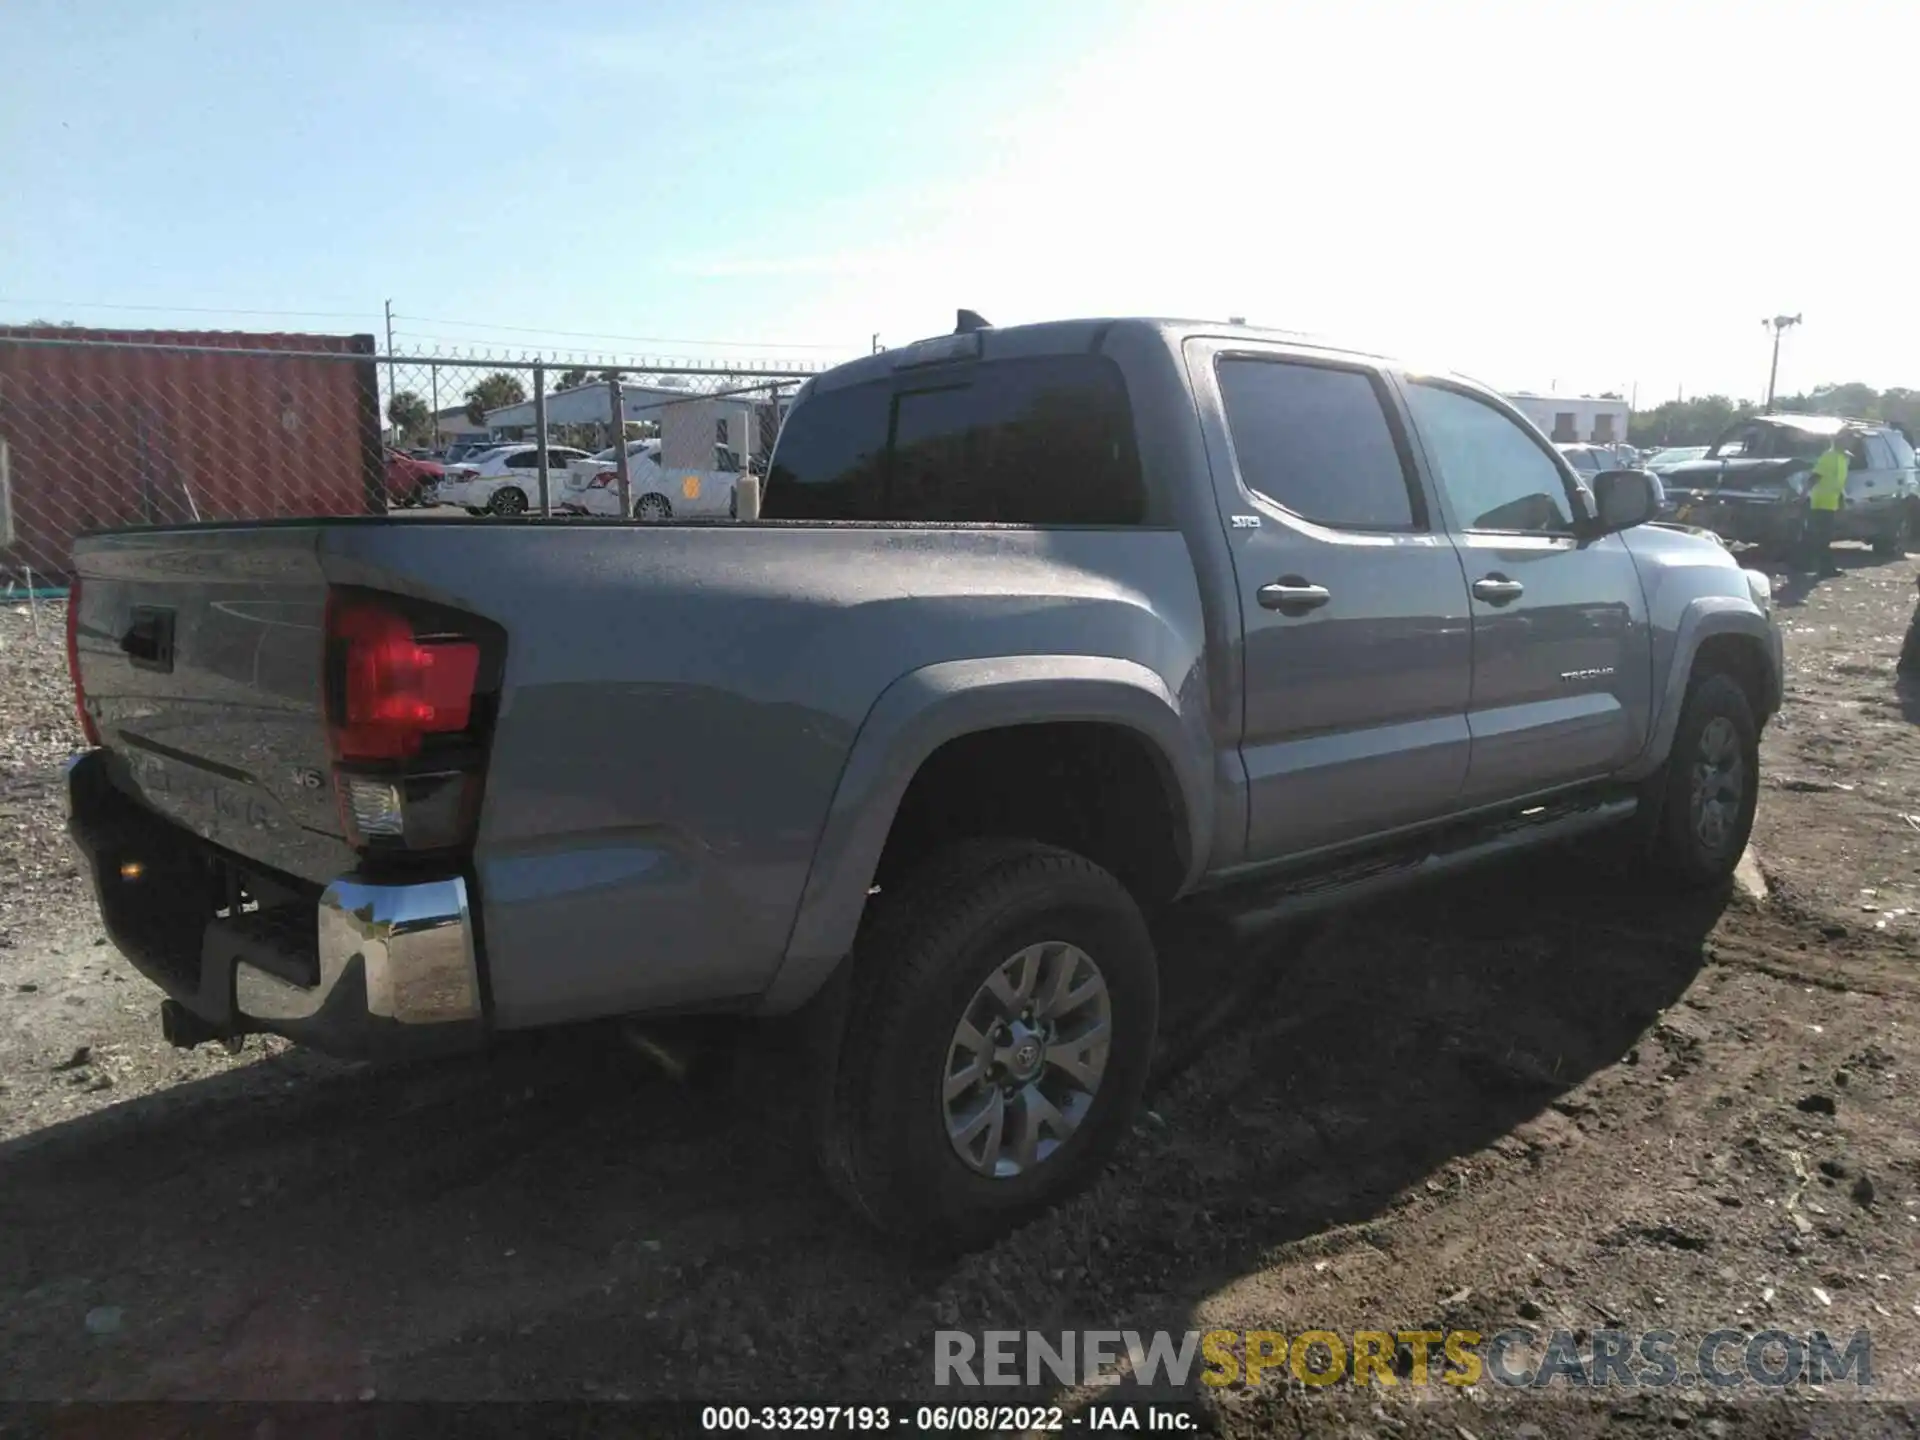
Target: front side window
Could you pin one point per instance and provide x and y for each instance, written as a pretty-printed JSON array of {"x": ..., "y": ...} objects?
[
  {"x": 1734, "y": 442},
  {"x": 1492, "y": 472},
  {"x": 1788, "y": 442},
  {"x": 1314, "y": 440}
]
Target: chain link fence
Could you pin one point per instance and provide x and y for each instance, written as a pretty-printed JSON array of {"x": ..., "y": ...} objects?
[{"x": 101, "y": 429}]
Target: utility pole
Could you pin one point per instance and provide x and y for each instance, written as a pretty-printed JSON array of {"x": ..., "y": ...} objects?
[
  {"x": 391, "y": 392},
  {"x": 876, "y": 342},
  {"x": 1777, "y": 324},
  {"x": 540, "y": 434},
  {"x": 623, "y": 467}
]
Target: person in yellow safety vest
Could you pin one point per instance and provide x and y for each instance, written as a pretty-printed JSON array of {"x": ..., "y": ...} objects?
[{"x": 1823, "y": 504}]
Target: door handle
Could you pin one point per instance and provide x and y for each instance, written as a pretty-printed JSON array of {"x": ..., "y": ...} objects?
[
  {"x": 1291, "y": 595},
  {"x": 1498, "y": 590}
]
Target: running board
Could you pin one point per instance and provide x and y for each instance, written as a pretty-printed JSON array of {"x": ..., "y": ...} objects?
[{"x": 1257, "y": 904}]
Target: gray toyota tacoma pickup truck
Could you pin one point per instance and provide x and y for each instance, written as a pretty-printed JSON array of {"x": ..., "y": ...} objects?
[{"x": 1040, "y": 630}]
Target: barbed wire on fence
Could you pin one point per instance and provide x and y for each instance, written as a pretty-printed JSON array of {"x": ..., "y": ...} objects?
[{"x": 103, "y": 429}]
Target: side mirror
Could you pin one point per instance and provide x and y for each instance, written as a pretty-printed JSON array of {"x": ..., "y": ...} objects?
[{"x": 1625, "y": 498}]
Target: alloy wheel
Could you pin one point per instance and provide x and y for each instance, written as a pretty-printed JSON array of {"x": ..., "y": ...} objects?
[
  {"x": 1719, "y": 784},
  {"x": 1026, "y": 1060}
]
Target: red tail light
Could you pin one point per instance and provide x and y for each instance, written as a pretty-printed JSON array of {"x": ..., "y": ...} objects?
[
  {"x": 87, "y": 727},
  {"x": 409, "y": 690},
  {"x": 396, "y": 689}
]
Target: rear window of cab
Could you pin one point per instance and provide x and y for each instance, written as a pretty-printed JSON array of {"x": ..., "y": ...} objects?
[{"x": 1042, "y": 440}]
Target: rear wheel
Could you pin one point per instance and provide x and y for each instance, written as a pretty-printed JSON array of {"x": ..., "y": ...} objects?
[
  {"x": 1910, "y": 647},
  {"x": 1893, "y": 541},
  {"x": 1004, "y": 1005},
  {"x": 653, "y": 508},
  {"x": 508, "y": 501},
  {"x": 1711, "y": 786}
]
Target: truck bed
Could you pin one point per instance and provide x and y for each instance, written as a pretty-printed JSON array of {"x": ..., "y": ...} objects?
[{"x": 677, "y": 708}]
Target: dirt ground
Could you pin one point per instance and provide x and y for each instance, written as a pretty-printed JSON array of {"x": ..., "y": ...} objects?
[{"x": 1533, "y": 1098}]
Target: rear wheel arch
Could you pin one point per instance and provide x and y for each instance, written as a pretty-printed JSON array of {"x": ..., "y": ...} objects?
[
  {"x": 1097, "y": 788},
  {"x": 938, "y": 727}
]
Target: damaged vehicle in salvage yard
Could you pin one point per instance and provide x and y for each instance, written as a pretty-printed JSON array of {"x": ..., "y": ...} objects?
[
  {"x": 1040, "y": 631},
  {"x": 1751, "y": 485}
]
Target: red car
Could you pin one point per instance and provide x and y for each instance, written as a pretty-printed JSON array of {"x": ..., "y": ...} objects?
[{"x": 411, "y": 481}]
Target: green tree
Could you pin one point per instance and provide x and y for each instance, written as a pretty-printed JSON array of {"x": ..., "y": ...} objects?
[
  {"x": 1687, "y": 422},
  {"x": 1855, "y": 399},
  {"x": 492, "y": 392},
  {"x": 409, "y": 416},
  {"x": 579, "y": 375},
  {"x": 1700, "y": 420}
]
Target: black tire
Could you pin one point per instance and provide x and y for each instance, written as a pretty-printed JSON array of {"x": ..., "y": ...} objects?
[
  {"x": 508, "y": 500},
  {"x": 1892, "y": 542},
  {"x": 1689, "y": 850},
  {"x": 1909, "y": 663},
  {"x": 925, "y": 950},
  {"x": 654, "y": 509}
]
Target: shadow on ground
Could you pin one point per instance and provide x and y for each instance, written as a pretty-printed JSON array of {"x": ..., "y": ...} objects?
[
  {"x": 1799, "y": 583},
  {"x": 556, "y": 1219}
]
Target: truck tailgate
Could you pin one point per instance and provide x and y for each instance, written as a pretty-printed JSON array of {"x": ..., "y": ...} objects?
[{"x": 200, "y": 653}]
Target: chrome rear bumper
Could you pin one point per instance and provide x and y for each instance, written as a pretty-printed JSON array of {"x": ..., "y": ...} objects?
[
  {"x": 366, "y": 969},
  {"x": 413, "y": 945}
]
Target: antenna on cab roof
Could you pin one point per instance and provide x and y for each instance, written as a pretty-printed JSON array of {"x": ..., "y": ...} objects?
[{"x": 970, "y": 321}]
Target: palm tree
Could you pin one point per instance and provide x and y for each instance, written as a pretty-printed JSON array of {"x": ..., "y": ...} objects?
[{"x": 493, "y": 392}]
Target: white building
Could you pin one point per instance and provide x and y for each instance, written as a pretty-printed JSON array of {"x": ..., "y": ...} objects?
[
  {"x": 588, "y": 404},
  {"x": 454, "y": 424},
  {"x": 1570, "y": 418}
]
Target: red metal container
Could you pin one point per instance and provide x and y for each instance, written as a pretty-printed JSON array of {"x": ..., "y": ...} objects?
[{"x": 111, "y": 428}]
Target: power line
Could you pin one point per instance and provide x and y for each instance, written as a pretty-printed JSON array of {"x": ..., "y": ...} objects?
[
  {"x": 633, "y": 339},
  {"x": 366, "y": 315},
  {"x": 186, "y": 309}
]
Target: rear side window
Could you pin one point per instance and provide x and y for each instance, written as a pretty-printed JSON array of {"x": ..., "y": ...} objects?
[
  {"x": 1315, "y": 440},
  {"x": 1040, "y": 441},
  {"x": 1902, "y": 451}
]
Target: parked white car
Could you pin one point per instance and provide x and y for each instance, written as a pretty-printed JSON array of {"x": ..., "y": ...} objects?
[
  {"x": 506, "y": 480},
  {"x": 593, "y": 487}
]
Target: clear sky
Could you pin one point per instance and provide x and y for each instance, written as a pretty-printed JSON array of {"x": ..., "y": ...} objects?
[{"x": 1557, "y": 192}]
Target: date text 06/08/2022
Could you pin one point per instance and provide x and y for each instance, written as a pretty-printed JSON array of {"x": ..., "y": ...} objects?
[{"x": 949, "y": 1419}]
